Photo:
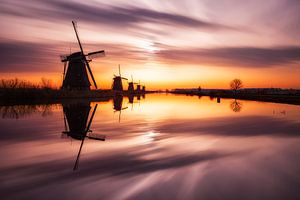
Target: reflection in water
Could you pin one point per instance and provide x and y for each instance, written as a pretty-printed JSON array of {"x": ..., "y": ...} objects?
[
  {"x": 20, "y": 111},
  {"x": 130, "y": 98},
  {"x": 170, "y": 147},
  {"x": 118, "y": 105},
  {"x": 77, "y": 124},
  {"x": 236, "y": 106}
]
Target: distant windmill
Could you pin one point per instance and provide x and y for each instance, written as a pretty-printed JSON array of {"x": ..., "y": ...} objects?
[
  {"x": 117, "y": 81},
  {"x": 138, "y": 87},
  {"x": 131, "y": 85},
  {"x": 75, "y": 75}
]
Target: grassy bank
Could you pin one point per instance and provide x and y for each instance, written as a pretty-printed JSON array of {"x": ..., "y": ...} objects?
[{"x": 13, "y": 96}]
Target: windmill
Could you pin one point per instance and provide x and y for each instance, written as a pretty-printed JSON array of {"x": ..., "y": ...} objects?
[
  {"x": 131, "y": 85},
  {"x": 77, "y": 124},
  {"x": 138, "y": 87},
  {"x": 117, "y": 81},
  {"x": 76, "y": 65},
  {"x": 143, "y": 88}
]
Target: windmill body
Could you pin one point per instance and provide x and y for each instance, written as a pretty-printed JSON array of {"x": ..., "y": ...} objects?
[
  {"x": 130, "y": 87},
  {"x": 138, "y": 87},
  {"x": 117, "y": 82},
  {"x": 76, "y": 76}
]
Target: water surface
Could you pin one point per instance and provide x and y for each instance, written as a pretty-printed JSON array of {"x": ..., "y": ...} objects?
[{"x": 157, "y": 147}]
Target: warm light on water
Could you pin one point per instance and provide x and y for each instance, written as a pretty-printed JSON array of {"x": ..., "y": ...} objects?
[{"x": 160, "y": 147}]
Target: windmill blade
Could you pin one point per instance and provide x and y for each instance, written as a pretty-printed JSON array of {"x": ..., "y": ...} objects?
[
  {"x": 87, "y": 129},
  {"x": 75, "y": 29},
  {"x": 64, "y": 57},
  {"x": 96, "y": 54},
  {"x": 119, "y": 70},
  {"x": 82, "y": 53},
  {"x": 131, "y": 78},
  {"x": 65, "y": 66},
  {"x": 96, "y": 136},
  {"x": 78, "y": 155},
  {"x": 124, "y": 78},
  {"x": 91, "y": 119},
  {"x": 65, "y": 123},
  {"x": 91, "y": 73}
]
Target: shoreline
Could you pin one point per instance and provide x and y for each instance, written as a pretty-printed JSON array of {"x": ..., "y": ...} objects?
[{"x": 272, "y": 98}]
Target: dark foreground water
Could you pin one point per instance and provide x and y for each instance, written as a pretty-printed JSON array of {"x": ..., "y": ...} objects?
[{"x": 160, "y": 147}]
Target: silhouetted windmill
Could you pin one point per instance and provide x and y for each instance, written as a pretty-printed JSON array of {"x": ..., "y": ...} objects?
[
  {"x": 117, "y": 81},
  {"x": 75, "y": 75},
  {"x": 77, "y": 124},
  {"x": 138, "y": 87},
  {"x": 131, "y": 85}
]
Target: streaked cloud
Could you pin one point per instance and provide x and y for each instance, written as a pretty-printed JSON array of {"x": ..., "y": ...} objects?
[
  {"x": 159, "y": 35},
  {"x": 252, "y": 57}
]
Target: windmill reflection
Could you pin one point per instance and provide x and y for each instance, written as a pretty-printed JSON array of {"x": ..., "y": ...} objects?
[
  {"x": 138, "y": 98},
  {"x": 236, "y": 106},
  {"x": 77, "y": 124},
  {"x": 118, "y": 105}
]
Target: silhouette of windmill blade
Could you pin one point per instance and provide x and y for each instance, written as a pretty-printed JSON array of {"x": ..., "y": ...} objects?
[
  {"x": 90, "y": 71},
  {"x": 65, "y": 66},
  {"x": 96, "y": 54},
  {"x": 91, "y": 119},
  {"x": 64, "y": 57},
  {"x": 96, "y": 136},
  {"x": 83, "y": 55},
  {"x": 78, "y": 155}
]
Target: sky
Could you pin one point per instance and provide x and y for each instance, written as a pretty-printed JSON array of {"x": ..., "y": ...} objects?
[{"x": 164, "y": 44}]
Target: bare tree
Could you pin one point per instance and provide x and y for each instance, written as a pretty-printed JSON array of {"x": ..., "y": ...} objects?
[{"x": 236, "y": 84}]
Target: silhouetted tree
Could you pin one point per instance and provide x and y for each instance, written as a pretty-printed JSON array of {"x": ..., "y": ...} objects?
[{"x": 236, "y": 84}]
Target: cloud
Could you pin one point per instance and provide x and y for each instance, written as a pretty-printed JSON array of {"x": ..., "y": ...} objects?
[
  {"x": 252, "y": 57},
  {"x": 27, "y": 57},
  {"x": 102, "y": 14},
  {"x": 18, "y": 56}
]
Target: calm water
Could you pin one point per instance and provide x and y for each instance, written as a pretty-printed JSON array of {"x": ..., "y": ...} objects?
[{"x": 159, "y": 147}]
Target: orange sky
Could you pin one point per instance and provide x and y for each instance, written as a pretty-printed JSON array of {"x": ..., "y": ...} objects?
[{"x": 176, "y": 44}]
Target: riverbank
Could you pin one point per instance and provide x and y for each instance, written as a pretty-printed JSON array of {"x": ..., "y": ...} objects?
[
  {"x": 263, "y": 95},
  {"x": 44, "y": 96}
]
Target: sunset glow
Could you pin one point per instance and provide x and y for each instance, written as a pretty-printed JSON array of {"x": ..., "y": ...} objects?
[{"x": 165, "y": 45}]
